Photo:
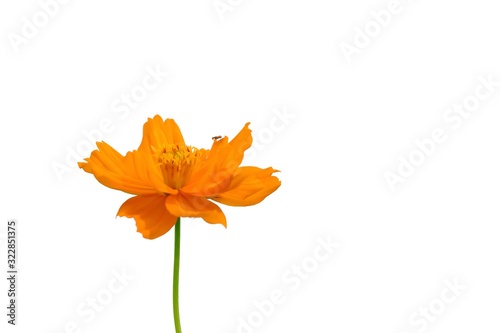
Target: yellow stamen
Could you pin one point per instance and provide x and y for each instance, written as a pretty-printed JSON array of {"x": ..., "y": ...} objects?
[{"x": 176, "y": 163}]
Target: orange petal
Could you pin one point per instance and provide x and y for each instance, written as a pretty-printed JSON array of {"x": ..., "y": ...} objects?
[
  {"x": 150, "y": 214},
  {"x": 249, "y": 186},
  {"x": 158, "y": 133},
  {"x": 185, "y": 205},
  {"x": 133, "y": 173},
  {"x": 213, "y": 175}
]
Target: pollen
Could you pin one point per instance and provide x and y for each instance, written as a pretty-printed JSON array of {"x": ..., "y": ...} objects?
[{"x": 176, "y": 163}]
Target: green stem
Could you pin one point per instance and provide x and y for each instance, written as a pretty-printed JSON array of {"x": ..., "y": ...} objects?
[{"x": 177, "y": 252}]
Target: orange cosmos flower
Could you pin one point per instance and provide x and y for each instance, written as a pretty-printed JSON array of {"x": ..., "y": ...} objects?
[{"x": 170, "y": 179}]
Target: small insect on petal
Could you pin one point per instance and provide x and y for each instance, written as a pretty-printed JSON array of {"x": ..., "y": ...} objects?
[{"x": 217, "y": 137}]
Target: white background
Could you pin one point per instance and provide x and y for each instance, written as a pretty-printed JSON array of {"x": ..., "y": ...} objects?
[{"x": 348, "y": 123}]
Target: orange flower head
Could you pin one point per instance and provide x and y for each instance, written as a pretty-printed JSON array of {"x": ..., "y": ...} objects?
[{"x": 170, "y": 179}]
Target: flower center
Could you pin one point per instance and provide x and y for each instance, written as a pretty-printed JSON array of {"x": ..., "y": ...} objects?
[{"x": 176, "y": 163}]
